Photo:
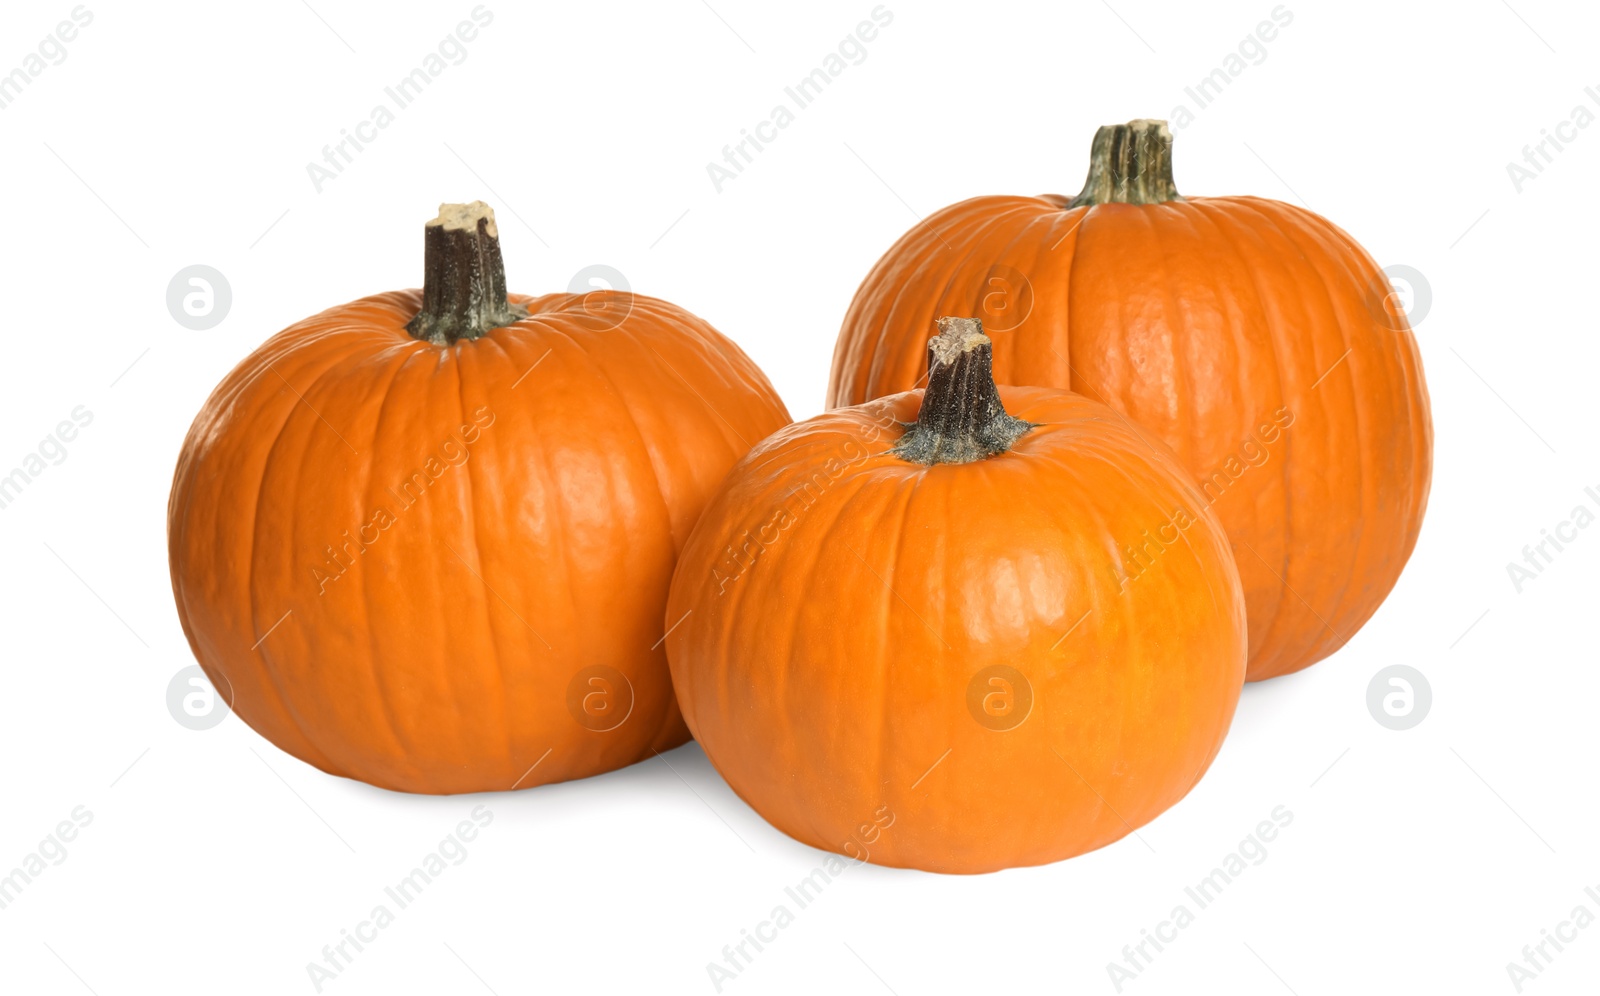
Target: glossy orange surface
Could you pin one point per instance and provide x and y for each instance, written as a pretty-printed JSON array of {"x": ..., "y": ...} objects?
[
  {"x": 959, "y": 668},
  {"x": 444, "y": 569},
  {"x": 1254, "y": 338}
]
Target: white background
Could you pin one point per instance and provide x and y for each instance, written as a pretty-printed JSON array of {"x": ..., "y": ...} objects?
[{"x": 1417, "y": 861}]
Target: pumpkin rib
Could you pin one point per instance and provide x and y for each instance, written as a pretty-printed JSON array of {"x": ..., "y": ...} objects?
[
  {"x": 1078, "y": 382},
  {"x": 1101, "y": 814},
  {"x": 1282, "y": 614},
  {"x": 1127, "y": 719},
  {"x": 646, "y": 346},
  {"x": 966, "y": 260},
  {"x": 183, "y": 597},
  {"x": 671, "y": 716},
  {"x": 376, "y": 683},
  {"x": 1210, "y": 208},
  {"x": 1283, "y": 611},
  {"x": 1352, "y": 548},
  {"x": 854, "y": 481},
  {"x": 1069, "y": 285},
  {"x": 469, "y": 508},
  {"x": 1181, "y": 346},
  {"x": 513, "y": 368},
  {"x": 1201, "y": 512},
  {"x": 905, "y": 298},
  {"x": 903, "y": 498},
  {"x": 1116, "y": 825},
  {"x": 862, "y": 501},
  {"x": 918, "y": 242},
  {"x": 1045, "y": 257},
  {"x": 670, "y": 713},
  {"x": 847, "y": 493},
  {"x": 555, "y": 507},
  {"x": 1362, "y": 554},
  {"x": 552, "y": 503},
  {"x": 557, "y": 324},
  {"x": 291, "y": 713},
  {"x": 1022, "y": 225},
  {"x": 887, "y": 358},
  {"x": 743, "y": 443},
  {"x": 445, "y": 598},
  {"x": 403, "y": 742},
  {"x": 1325, "y": 314},
  {"x": 289, "y": 716}
]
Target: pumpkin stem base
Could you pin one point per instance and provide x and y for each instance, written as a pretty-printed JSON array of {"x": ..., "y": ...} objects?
[
  {"x": 1130, "y": 164},
  {"x": 961, "y": 419},
  {"x": 464, "y": 278}
]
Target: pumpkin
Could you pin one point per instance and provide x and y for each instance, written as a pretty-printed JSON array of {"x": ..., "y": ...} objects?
[
  {"x": 424, "y": 539},
  {"x": 1255, "y": 339},
  {"x": 958, "y": 630}
]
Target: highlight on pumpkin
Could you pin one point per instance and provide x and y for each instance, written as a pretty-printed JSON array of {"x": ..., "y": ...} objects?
[
  {"x": 372, "y": 518},
  {"x": 1206, "y": 322}
]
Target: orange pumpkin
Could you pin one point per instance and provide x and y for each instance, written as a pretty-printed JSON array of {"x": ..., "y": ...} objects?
[
  {"x": 1003, "y": 634},
  {"x": 424, "y": 539},
  {"x": 1254, "y": 338}
]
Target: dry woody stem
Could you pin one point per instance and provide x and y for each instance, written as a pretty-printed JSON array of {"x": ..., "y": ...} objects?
[
  {"x": 961, "y": 419},
  {"x": 1130, "y": 164},
  {"x": 464, "y": 278}
]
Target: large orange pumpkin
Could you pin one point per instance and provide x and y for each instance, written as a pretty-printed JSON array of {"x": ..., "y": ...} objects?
[
  {"x": 424, "y": 539},
  {"x": 1004, "y": 634},
  {"x": 1254, "y": 338}
]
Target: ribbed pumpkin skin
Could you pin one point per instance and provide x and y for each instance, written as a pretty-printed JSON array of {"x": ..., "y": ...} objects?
[
  {"x": 1201, "y": 320},
  {"x": 440, "y": 659},
  {"x": 837, "y": 602}
]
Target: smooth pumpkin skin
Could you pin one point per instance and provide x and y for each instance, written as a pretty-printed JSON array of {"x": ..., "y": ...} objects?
[
  {"x": 1200, "y": 320},
  {"x": 825, "y": 667},
  {"x": 440, "y": 660}
]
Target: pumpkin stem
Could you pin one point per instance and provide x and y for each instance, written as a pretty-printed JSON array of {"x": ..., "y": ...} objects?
[
  {"x": 464, "y": 278},
  {"x": 961, "y": 419},
  {"x": 1130, "y": 164}
]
